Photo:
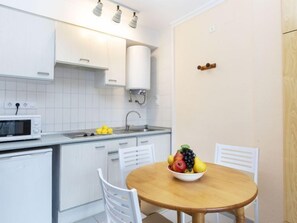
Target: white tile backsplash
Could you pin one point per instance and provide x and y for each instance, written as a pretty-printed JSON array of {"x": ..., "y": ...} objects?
[{"x": 71, "y": 102}]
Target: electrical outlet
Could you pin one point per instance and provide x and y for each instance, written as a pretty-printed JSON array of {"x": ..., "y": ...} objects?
[
  {"x": 9, "y": 104},
  {"x": 23, "y": 105}
]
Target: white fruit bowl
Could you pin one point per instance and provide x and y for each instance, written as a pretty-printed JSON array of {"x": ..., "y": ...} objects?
[{"x": 186, "y": 176}]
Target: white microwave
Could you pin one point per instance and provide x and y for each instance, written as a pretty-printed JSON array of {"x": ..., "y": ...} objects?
[{"x": 20, "y": 127}]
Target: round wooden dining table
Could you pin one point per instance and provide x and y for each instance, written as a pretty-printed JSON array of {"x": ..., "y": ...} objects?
[{"x": 219, "y": 189}]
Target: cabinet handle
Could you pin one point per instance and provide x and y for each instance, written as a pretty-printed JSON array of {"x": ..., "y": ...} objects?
[
  {"x": 43, "y": 73},
  {"x": 146, "y": 141},
  {"x": 113, "y": 152},
  {"x": 86, "y": 60},
  {"x": 99, "y": 147},
  {"x": 123, "y": 143},
  {"x": 115, "y": 159},
  {"x": 112, "y": 80}
]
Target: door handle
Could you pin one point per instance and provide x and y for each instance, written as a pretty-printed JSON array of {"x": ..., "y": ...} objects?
[
  {"x": 83, "y": 59},
  {"x": 43, "y": 73}
]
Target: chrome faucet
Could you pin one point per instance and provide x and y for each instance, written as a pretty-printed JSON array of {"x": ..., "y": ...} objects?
[{"x": 126, "y": 122}]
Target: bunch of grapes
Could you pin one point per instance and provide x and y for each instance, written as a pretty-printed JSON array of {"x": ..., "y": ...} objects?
[{"x": 188, "y": 157}]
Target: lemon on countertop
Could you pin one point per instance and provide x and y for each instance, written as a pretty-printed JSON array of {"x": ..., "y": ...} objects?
[
  {"x": 104, "y": 127},
  {"x": 104, "y": 131},
  {"x": 98, "y": 131}
]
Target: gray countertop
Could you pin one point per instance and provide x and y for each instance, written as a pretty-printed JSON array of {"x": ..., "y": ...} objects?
[{"x": 59, "y": 138}]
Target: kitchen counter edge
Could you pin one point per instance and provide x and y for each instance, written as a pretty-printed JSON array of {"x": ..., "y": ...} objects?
[{"x": 59, "y": 139}]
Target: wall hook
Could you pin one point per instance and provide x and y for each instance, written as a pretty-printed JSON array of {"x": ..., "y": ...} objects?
[{"x": 207, "y": 66}]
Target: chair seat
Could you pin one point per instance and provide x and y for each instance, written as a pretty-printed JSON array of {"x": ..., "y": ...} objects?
[
  {"x": 156, "y": 218},
  {"x": 148, "y": 209}
]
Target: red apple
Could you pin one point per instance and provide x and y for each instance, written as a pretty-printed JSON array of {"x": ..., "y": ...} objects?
[
  {"x": 178, "y": 156},
  {"x": 179, "y": 166}
]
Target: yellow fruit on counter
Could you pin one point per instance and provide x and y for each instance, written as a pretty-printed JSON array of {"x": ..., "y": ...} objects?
[
  {"x": 104, "y": 131},
  {"x": 99, "y": 131},
  {"x": 170, "y": 159},
  {"x": 199, "y": 166},
  {"x": 109, "y": 131},
  {"x": 104, "y": 127}
]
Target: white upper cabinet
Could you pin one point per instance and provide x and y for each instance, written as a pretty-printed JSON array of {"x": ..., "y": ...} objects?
[
  {"x": 27, "y": 44},
  {"x": 80, "y": 46},
  {"x": 116, "y": 73}
]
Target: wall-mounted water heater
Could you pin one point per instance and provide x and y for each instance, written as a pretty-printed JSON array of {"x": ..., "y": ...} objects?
[{"x": 138, "y": 79}]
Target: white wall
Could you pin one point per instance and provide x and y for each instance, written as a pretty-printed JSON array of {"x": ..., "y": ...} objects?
[
  {"x": 71, "y": 102},
  {"x": 239, "y": 102},
  {"x": 160, "y": 96},
  {"x": 79, "y": 12}
]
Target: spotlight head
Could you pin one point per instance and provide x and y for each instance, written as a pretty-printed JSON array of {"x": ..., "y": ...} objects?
[
  {"x": 133, "y": 22},
  {"x": 117, "y": 16},
  {"x": 98, "y": 9}
]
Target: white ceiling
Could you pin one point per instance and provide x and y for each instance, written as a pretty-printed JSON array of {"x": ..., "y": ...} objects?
[{"x": 157, "y": 14}]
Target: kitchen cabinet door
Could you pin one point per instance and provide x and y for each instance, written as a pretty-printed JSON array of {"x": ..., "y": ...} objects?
[
  {"x": 79, "y": 182},
  {"x": 289, "y": 15},
  {"x": 162, "y": 145},
  {"x": 80, "y": 46},
  {"x": 290, "y": 123},
  {"x": 113, "y": 167},
  {"x": 27, "y": 44},
  {"x": 116, "y": 73}
]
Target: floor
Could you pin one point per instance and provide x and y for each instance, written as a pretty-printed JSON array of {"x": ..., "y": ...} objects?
[{"x": 100, "y": 218}]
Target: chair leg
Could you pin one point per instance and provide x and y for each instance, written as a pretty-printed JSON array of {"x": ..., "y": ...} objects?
[
  {"x": 218, "y": 217},
  {"x": 180, "y": 217},
  {"x": 256, "y": 211}
]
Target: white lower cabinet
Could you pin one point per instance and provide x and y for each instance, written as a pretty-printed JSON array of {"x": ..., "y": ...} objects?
[
  {"x": 79, "y": 194},
  {"x": 113, "y": 167},
  {"x": 161, "y": 142},
  {"x": 79, "y": 182}
]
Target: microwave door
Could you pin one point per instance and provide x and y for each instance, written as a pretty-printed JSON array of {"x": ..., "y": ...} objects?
[{"x": 15, "y": 128}]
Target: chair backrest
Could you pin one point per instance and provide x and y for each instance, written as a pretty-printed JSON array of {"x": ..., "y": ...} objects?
[
  {"x": 121, "y": 205},
  {"x": 134, "y": 157},
  {"x": 237, "y": 157}
]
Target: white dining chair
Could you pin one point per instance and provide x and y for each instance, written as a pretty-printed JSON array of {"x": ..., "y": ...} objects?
[
  {"x": 132, "y": 158},
  {"x": 241, "y": 158},
  {"x": 122, "y": 206}
]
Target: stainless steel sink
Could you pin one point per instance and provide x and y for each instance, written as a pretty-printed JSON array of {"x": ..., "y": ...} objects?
[{"x": 135, "y": 130}]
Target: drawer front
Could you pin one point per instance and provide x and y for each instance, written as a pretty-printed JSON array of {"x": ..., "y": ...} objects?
[{"x": 115, "y": 145}]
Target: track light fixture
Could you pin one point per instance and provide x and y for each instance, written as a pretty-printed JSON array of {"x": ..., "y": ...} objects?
[
  {"x": 133, "y": 22},
  {"x": 98, "y": 9},
  {"x": 117, "y": 16}
]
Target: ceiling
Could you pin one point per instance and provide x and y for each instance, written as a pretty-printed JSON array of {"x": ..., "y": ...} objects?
[{"x": 157, "y": 14}]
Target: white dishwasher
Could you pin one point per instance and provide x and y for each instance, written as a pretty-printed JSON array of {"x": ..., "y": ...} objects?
[{"x": 26, "y": 186}]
